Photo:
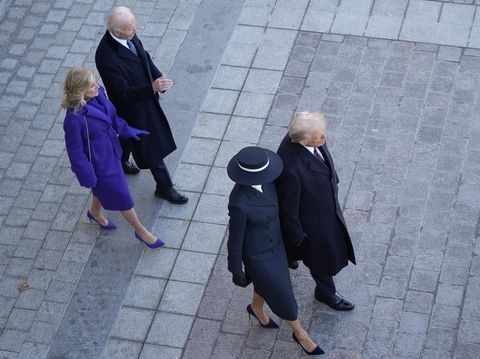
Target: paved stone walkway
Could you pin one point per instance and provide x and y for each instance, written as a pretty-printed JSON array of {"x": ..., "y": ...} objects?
[
  {"x": 403, "y": 124},
  {"x": 403, "y": 128}
]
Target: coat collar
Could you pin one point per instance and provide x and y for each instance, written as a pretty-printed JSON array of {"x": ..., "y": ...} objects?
[
  {"x": 313, "y": 163},
  {"x": 92, "y": 111},
  {"x": 121, "y": 50},
  {"x": 256, "y": 198}
]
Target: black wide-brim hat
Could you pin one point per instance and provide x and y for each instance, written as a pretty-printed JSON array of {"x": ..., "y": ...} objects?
[{"x": 254, "y": 165}]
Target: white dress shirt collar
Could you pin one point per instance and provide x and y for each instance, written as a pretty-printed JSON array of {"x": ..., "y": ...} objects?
[
  {"x": 312, "y": 149},
  {"x": 121, "y": 41},
  {"x": 258, "y": 187}
]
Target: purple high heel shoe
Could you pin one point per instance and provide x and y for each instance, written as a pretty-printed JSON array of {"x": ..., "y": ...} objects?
[
  {"x": 158, "y": 242},
  {"x": 110, "y": 225}
]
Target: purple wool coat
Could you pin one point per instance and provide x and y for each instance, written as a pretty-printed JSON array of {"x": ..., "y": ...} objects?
[{"x": 99, "y": 168}]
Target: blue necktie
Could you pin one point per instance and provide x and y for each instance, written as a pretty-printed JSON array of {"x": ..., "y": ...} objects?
[{"x": 131, "y": 47}]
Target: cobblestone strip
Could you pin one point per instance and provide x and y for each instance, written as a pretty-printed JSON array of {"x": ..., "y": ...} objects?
[{"x": 44, "y": 239}]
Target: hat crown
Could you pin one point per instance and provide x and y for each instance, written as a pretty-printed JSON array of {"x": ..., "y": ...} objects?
[
  {"x": 254, "y": 165},
  {"x": 252, "y": 158}
]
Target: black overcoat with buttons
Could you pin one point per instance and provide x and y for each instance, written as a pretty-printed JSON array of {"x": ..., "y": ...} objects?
[
  {"x": 308, "y": 199},
  {"x": 255, "y": 240},
  {"x": 128, "y": 80}
]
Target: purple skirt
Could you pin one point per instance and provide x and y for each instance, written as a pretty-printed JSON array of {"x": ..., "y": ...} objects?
[{"x": 112, "y": 192}]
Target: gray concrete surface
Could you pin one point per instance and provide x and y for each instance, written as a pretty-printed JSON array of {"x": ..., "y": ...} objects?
[{"x": 398, "y": 82}]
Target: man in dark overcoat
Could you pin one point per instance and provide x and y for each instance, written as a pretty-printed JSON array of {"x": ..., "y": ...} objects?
[
  {"x": 133, "y": 84},
  {"x": 312, "y": 222}
]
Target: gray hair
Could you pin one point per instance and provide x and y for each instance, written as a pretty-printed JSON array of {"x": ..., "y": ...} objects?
[
  {"x": 305, "y": 124},
  {"x": 118, "y": 17}
]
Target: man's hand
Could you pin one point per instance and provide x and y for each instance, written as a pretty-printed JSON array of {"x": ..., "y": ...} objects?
[
  {"x": 162, "y": 84},
  {"x": 300, "y": 242}
]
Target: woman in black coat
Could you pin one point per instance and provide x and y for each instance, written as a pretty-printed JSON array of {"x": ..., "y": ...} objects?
[{"x": 255, "y": 240}]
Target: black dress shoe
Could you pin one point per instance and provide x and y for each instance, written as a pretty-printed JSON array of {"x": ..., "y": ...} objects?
[
  {"x": 171, "y": 195},
  {"x": 337, "y": 303},
  {"x": 130, "y": 168},
  {"x": 293, "y": 264}
]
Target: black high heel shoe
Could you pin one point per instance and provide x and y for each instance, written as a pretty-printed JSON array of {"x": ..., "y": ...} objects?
[
  {"x": 270, "y": 325},
  {"x": 316, "y": 351}
]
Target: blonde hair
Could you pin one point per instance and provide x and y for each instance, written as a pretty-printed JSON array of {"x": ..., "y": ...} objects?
[
  {"x": 305, "y": 124},
  {"x": 118, "y": 17},
  {"x": 77, "y": 82}
]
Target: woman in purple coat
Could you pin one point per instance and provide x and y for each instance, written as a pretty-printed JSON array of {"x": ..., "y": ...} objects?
[{"x": 91, "y": 127}]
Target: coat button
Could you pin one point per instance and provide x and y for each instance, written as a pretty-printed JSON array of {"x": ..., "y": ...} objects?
[{"x": 268, "y": 227}]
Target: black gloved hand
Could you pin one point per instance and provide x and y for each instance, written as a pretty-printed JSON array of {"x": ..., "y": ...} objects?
[{"x": 240, "y": 279}]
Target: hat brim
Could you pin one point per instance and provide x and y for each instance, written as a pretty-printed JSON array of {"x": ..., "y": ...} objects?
[{"x": 269, "y": 174}]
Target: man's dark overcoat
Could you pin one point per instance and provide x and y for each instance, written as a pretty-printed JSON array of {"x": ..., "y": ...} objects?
[
  {"x": 128, "y": 79},
  {"x": 255, "y": 239},
  {"x": 308, "y": 199}
]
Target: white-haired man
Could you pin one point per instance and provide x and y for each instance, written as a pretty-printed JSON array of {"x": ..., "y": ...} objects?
[
  {"x": 311, "y": 218},
  {"x": 133, "y": 85}
]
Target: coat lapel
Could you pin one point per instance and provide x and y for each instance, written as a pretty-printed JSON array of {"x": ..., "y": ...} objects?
[
  {"x": 326, "y": 155},
  {"x": 102, "y": 98},
  {"x": 311, "y": 162},
  {"x": 127, "y": 54},
  {"x": 143, "y": 57},
  {"x": 121, "y": 50},
  {"x": 257, "y": 198},
  {"x": 96, "y": 113}
]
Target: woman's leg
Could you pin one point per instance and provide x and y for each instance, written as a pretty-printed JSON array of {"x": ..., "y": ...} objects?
[
  {"x": 96, "y": 211},
  {"x": 257, "y": 306},
  {"x": 301, "y": 335},
  {"x": 132, "y": 218}
]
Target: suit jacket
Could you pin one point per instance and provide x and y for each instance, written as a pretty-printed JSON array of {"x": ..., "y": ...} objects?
[
  {"x": 103, "y": 146},
  {"x": 128, "y": 79},
  {"x": 308, "y": 199}
]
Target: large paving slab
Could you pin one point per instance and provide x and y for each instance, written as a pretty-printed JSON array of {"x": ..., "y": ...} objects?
[{"x": 454, "y": 23}]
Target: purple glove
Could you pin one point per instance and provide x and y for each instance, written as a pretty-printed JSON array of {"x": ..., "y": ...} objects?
[{"x": 135, "y": 132}]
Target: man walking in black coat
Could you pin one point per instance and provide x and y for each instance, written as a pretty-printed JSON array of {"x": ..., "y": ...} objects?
[
  {"x": 133, "y": 85},
  {"x": 312, "y": 222}
]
